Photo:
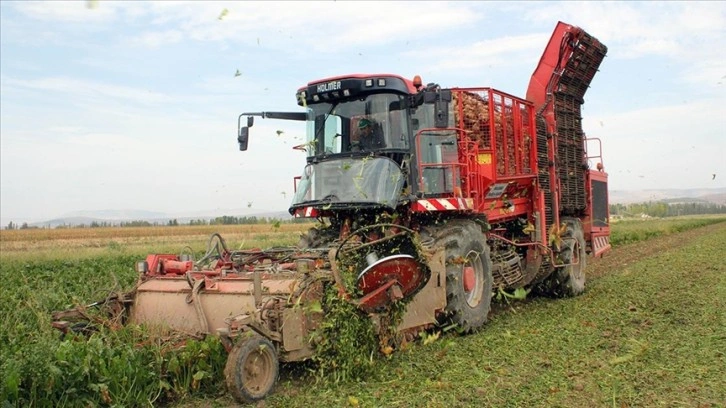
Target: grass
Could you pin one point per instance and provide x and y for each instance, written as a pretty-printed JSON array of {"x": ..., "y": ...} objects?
[
  {"x": 635, "y": 230},
  {"x": 653, "y": 334},
  {"x": 648, "y": 335}
]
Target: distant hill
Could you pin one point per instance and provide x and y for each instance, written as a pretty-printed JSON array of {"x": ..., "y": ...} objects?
[
  {"x": 122, "y": 215},
  {"x": 706, "y": 195},
  {"x": 719, "y": 198},
  {"x": 115, "y": 217},
  {"x": 682, "y": 200},
  {"x": 70, "y": 221}
]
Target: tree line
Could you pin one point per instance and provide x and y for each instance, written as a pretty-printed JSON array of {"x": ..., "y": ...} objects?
[
  {"x": 661, "y": 209},
  {"x": 223, "y": 220}
]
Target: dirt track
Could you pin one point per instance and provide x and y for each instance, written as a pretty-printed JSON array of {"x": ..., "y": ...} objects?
[{"x": 627, "y": 254}]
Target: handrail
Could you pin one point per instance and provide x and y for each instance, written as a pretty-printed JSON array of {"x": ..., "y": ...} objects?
[
  {"x": 599, "y": 155},
  {"x": 451, "y": 165}
]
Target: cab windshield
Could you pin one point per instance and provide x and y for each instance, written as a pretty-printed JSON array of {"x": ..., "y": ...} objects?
[
  {"x": 371, "y": 123},
  {"x": 362, "y": 180}
]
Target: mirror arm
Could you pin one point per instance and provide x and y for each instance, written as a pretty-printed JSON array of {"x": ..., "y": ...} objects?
[
  {"x": 275, "y": 115},
  {"x": 243, "y": 131}
]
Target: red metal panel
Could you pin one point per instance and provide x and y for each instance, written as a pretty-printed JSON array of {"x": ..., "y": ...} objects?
[
  {"x": 600, "y": 244},
  {"x": 591, "y": 227},
  {"x": 155, "y": 262},
  {"x": 442, "y": 204},
  {"x": 409, "y": 83},
  {"x": 501, "y": 210},
  {"x": 306, "y": 212},
  {"x": 551, "y": 58},
  {"x": 497, "y": 145}
]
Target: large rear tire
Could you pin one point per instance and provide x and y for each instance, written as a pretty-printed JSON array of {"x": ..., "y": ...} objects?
[
  {"x": 251, "y": 370},
  {"x": 567, "y": 281},
  {"x": 468, "y": 275}
]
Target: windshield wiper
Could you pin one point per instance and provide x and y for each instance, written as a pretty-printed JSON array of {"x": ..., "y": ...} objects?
[
  {"x": 329, "y": 199},
  {"x": 327, "y": 203}
]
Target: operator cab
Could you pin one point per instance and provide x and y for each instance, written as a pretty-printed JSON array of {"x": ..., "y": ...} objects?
[
  {"x": 365, "y": 124},
  {"x": 361, "y": 139},
  {"x": 357, "y": 139},
  {"x": 356, "y": 114}
]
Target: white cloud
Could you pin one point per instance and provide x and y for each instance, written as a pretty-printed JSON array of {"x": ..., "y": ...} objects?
[
  {"x": 68, "y": 11},
  {"x": 673, "y": 146},
  {"x": 99, "y": 12},
  {"x": 633, "y": 24},
  {"x": 635, "y": 29},
  {"x": 502, "y": 52},
  {"x": 708, "y": 75},
  {"x": 160, "y": 163},
  {"x": 309, "y": 23},
  {"x": 690, "y": 34},
  {"x": 87, "y": 89},
  {"x": 156, "y": 39}
]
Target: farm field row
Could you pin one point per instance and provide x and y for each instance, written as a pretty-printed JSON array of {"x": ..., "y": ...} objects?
[
  {"x": 55, "y": 234},
  {"x": 76, "y": 243},
  {"x": 130, "y": 368},
  {"x": 648, "y": 332}
]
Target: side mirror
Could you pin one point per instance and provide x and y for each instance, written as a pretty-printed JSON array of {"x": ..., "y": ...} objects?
[
  {"x": 440, "y": 98},
  {"x": 243, "y": 138},
  {"x": 441, "y": 114}
]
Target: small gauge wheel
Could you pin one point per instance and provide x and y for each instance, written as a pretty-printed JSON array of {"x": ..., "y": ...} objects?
[{"x": 252, "y": 369}]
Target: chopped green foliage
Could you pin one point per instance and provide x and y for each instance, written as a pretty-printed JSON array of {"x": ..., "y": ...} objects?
[
  {"x": 346, "y": 343},
  {"x": 648, "y": 334}
]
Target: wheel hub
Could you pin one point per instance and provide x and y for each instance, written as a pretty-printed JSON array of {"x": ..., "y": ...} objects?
[
  {"x": 469, "y": 278},
  {"x": 257, "y": 370},
  {"x": 472, "y": 279}
]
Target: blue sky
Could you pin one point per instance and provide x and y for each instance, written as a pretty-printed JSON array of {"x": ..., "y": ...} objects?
[{"x": 133, "y": 105}]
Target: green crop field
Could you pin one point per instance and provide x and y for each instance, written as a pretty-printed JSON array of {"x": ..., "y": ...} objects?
[
  {"x": 649, "y": 331},
  {"x": 79, "y": 243}
]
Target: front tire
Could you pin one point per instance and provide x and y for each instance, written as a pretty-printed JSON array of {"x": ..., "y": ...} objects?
[
  {"x": 468, "y": 275},
  {"x": 252, "y": 369}
]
